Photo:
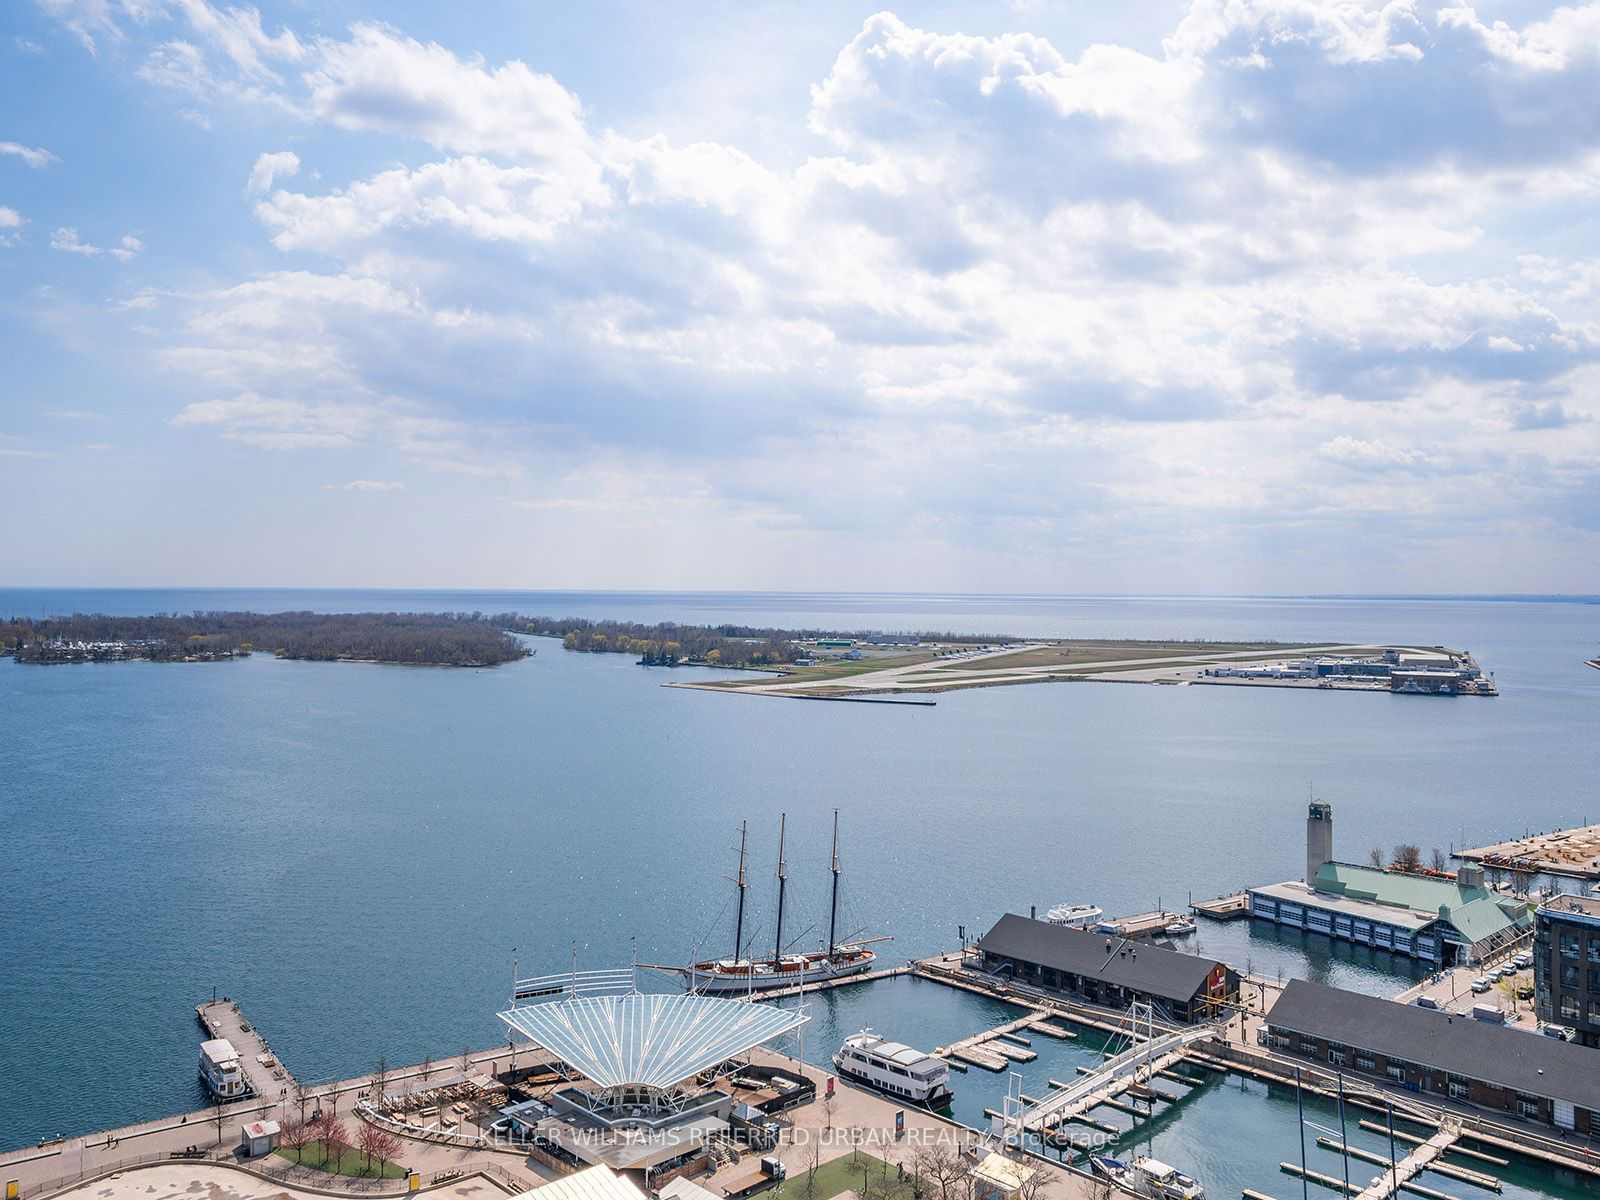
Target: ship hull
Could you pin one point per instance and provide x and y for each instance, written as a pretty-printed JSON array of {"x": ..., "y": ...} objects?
[{"x": 709, "y": 980}]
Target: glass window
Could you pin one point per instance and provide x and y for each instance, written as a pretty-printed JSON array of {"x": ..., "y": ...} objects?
[
  {"x": 1569, "y": 945},
  {"x": 1569, "y": 975},
  {"x": 1569, "y": 1007},
  {"x": 1366, "y": 1062}
]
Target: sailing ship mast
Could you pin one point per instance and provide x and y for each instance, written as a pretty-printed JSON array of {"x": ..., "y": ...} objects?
[
  {"x": 833, "y": 905},
  {"x": 738, "y": 922},
  {"x": 783, "y": 878}
]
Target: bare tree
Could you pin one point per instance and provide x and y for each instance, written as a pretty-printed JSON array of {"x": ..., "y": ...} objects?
[
  {"x": 1034, "y": 1186},
  {"x": 1439, "y": 861},
  {"x": 294, "y": 1135},
  {"x": 335, "y": 1142},
  {"x": 466, "y": 1059},
  {"x": 427, "y": 1065},
  {"x": 218, "y": 1116},
  {"x": 385, "y": 1147},
  {"x": 943, "y": 1166},
  {"x": 1375, "y": 857},
  {"x": 380, "y": 1082},
  {"x": 1408, "y": 858}
]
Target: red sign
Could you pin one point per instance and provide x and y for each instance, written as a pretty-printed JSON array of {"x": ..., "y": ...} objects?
[{"x": 830, "y": 1085}]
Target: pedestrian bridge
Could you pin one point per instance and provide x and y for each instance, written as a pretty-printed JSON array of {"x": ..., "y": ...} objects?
[{"x": 1139, "y": 1062}]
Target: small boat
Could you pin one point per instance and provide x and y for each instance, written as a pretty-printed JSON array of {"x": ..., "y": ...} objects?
[
  {"x": 1181, "y": 927},
  {"x": 895, "y": 1069},
  {"x": 1148, "y": 1177},
  {"x": 1075, "y": 916},
  {"x": 1592, "y": 662}
]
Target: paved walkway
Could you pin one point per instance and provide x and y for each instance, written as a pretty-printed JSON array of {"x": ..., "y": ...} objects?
[
  {"x": 211, "y": 1181},
  {"x": 859, "y": 1118}
]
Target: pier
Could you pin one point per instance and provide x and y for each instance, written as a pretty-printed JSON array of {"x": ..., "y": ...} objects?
[
  {"x": 843, "y": 981},
  {"x": 266, "y": 1074},
  {"x": 1573, "y": 853}
]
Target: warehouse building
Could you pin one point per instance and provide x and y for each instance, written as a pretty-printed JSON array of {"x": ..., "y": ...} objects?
[
  {"x": 1510, "y": 1071},
  {"x": 1431, "y": 917},
  {"x": 1110, "y": 971}
]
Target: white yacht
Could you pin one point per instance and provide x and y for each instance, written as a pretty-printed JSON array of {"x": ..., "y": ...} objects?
[
  {"x": 220, "y": 1071},
  {"x": 1075, "y": 916},
  {"x": 1148, "y": 1177},
  {"x": 894, "y": 1069}
]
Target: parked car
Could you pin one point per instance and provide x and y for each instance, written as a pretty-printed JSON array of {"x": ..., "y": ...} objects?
[
  {"x": 1523, "y": 960},
  {"x": 1482, "y": 984},
  {"x": 1426, "y": 1002},
  {"x": 1560, "y": 1032}
]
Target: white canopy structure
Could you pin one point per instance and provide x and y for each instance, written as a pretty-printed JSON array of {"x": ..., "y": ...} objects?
[{"x": 625, "y": 1041}]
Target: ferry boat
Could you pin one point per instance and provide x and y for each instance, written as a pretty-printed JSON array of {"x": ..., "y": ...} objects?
[
  {"x": 220, "y": 1071},
  {"x": 1148, "y": 1177},
  {"x": 1075, "y": 916},
  {"x": 744, "y": 974},
  {"x": 895, "y": 1069}
]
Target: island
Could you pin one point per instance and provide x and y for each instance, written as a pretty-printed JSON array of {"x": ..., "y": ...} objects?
[
  {"x": 832, "y": 665},
  {"x": 417, "y": 639}
]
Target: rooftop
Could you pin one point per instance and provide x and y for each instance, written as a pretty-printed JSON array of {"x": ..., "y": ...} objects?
[
  {"x": 1476, "y": 912},
  {"x": 1137, "y": 966},
  {"x": 594, "y": 1183},
  {"x": 1511, "y": 1058},
  {"x": 1583, "y": 907},
  {"x": 628, "y": 1039}
]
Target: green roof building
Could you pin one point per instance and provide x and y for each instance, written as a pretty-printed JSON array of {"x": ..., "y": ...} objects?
[{"x": 1437, "y": 919}]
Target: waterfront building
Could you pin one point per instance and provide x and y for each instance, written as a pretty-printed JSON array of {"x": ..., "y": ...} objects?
[
  {"x": 1111, "y": 971},
  {"x": 1507, "y": 1070},
  {"x": 647, "y": 1078},
  {"x": 1566, "y": 965},
  {"x": 1431, "y": 917}
]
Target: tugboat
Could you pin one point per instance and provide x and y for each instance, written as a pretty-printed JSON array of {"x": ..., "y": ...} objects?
[
  {"x": 1149, "y": 1178},
  {"x": 742, "y": 974},
  {"x": 894, "y": 1069}
]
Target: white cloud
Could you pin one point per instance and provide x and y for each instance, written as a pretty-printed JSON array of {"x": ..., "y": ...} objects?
[
  {"x": 11, "y": 222},
  {"x": 281, "y": 164},
  {"x": 366, "y": 485},
  {"x": 34, "y": 157},
  {"x": 66, "y": 239},
  {"x": 1241, "y": 285}
]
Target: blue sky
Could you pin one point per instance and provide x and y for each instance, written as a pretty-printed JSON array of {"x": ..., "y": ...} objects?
[{"x": 1226, "y": 295}]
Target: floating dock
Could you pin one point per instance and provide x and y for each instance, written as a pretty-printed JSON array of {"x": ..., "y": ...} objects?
[
  {"x": 1573, "y": 853},
  {"x": 1223, "y": 908},
  {"x": 1142, "y": 925}
]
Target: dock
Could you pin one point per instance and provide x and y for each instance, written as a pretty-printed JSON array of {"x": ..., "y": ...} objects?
[
  {"x": 1573, "y": 853},
  {"x": 843, "y": 981},
  {"x": 1223, "y": 908},
  {"x": 1142, "y": 925},
  {"x": 265, "y": 1072},
  {"x": 991, "y": 1049}
]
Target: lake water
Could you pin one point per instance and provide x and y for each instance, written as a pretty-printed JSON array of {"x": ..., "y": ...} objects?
[{"x": 357, "y": 852}]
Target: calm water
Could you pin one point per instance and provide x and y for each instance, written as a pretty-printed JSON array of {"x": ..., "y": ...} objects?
[{"x": 355, "y": 852}]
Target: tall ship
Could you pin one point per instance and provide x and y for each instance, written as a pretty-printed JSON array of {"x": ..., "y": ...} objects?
[
  {"x": 742, "y": 973},
  {"x": 894, "y": 1069}
]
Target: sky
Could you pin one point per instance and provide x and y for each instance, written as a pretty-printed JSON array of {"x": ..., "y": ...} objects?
[{"x": 1232, "y": 296}]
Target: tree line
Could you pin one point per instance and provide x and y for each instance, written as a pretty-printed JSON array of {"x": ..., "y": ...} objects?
[
  {"x": 668, "y": 643},
  {"x": 433, "y": 639}
]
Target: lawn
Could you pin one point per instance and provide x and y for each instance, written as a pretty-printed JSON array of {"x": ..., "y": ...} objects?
[
  {"x": 353, "y": 1163},
  {"x": 841, "y": 1175}
]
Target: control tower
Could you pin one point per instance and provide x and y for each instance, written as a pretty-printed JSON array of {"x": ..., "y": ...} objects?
[{"x": 1319, "y": 839}]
